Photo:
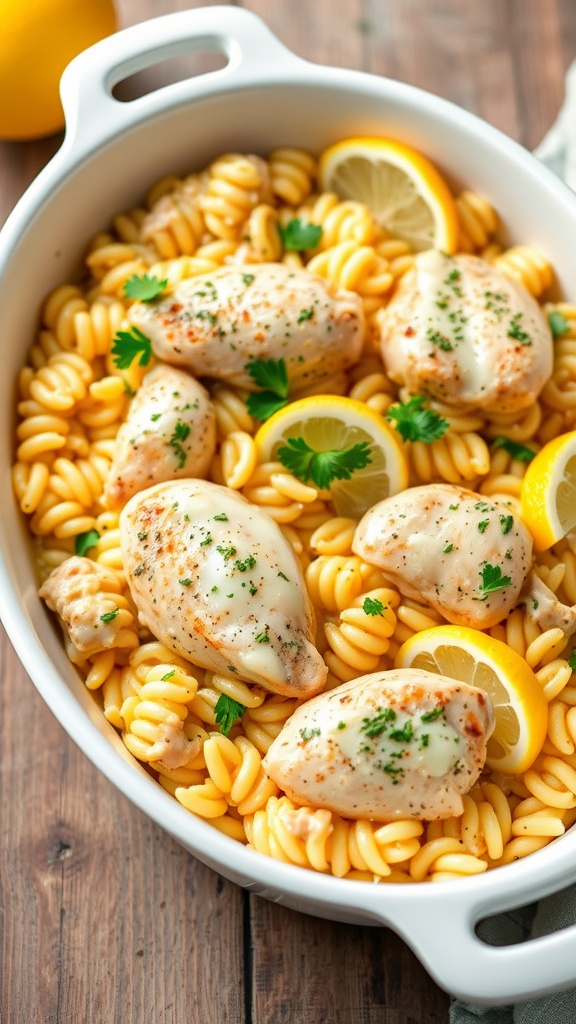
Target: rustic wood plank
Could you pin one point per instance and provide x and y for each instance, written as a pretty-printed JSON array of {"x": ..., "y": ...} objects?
[{"x": 105, "y": 918}]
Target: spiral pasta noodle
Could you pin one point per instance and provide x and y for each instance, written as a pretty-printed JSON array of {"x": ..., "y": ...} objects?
[{"x": 72, "y": 399}]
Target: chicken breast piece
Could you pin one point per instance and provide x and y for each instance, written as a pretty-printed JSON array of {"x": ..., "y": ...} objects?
[
  {"x": 443, "y": 544},
  {"x": 215, "y": 580},
  {"x": 398, "y": 744},
  {"x": 85, "y": 595},
  {"x": 462, "y": 332},
  {"x": 170, "y": 432},
  {"x": 215, "y": 325}
]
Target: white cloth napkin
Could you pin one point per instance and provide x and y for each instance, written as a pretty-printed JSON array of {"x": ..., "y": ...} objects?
[{"x": 558, "y": 151}]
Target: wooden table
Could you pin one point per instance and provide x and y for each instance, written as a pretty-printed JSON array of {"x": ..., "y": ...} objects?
[{"x": 104, "y": 919}]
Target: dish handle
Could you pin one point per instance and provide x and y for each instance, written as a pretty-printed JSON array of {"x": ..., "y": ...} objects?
[
  {"x": 92, "y": 113},
  {"x": 474, "y": 971}
]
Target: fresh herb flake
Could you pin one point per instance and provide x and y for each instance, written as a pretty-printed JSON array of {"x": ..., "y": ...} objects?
[
  {"x": 130, "y": 345},
  {"x": 492, "y": 580},
  {"x": 144, "y": 287},
  {"x": 558, "y": 323},
  {"x": 323, "y": 467},
  {"x": 84, "y": 541},
  {"x": 414, "y": 423},
  {"x": 515, "y": 450},
  {"x": 227, "y": 711},
  {"x": 298, "y": 235}
]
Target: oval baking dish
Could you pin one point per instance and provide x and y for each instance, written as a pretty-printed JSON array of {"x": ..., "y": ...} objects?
[{"x": 264, "y": 97}]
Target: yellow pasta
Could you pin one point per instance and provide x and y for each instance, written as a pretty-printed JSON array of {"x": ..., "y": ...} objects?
[{"x": 71, "y": 401}]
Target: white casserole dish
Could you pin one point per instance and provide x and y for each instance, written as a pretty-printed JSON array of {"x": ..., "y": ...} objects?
[{"x": 264, "y": 97}]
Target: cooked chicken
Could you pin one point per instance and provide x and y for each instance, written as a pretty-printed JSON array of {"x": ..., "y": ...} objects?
[
  {"x": 170, "y": 432},
  {"x": 215, "y": 325},
  {"x": 215, "y": 580},
  {"x": 399, "y": 744},
  {"x": 464, "y": 555},
  {"x": 93, "y": 614},
  {"x": 459, "y": 330}
]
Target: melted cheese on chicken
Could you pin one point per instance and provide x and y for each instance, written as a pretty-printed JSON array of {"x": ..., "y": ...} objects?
[
  {"x": 440, "y": 543},
  {"x": 462, "y": 332},
  {"x": 215, "y": 580},
  {"x": 170, "y": 432},
  {"x": 215, "y": 325},
  {"x": 398, "y": 744}
]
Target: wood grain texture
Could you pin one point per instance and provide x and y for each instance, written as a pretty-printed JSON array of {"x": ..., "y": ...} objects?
[{"x": 103, "y": 918}]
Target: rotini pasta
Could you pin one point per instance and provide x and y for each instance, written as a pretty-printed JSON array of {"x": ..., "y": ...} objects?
[{"x": 73, "y": 398}]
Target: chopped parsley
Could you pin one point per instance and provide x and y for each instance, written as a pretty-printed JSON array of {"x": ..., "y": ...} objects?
[
  {"x": 246, "y": 563},
  {"x": 185, "y": 583},
  {"x": 515, "y": 331},
  {"x": 226, "y": 552},
  {"x": 483, "y": 525},
  {"x": 167, "y": 675},
  {"x": 414, "y": 423},
  {"x": 227, "y": 711},
  {"x": 109, "y": 616},
  {"x": 431, "y": 716},
  {"x": 492, "y": 580},
  {"x": 440, "y": 340},
  {"x": 403, "y": 735},
  {"x": 382, "y": 719},
  {"x": 298, "y": 235},
  {"x": 515, "y": 450},
  {"x": 130, "y": 345},
  {"x": 323, "y": 467},
  {"x": 447, "y": 549},
  {"x": 304, "y": 314},
  {"x": 247, "y": 279},
  {"x": 144, "y": 287},
  {"x": 308, "y": 734},
  {"x": 84, "y": 541},
  {"x": 506, "y": 523},
  {"x": 180, "y": 433},
  {"x": 272, "y": 376},
  {"x": 221, "y": 518},
  {"x": 372, "y": 606},
  {"x": 558, "y": 323},
  {"x": 263, "y": 637},
  {"x": 572, "y": 661}
]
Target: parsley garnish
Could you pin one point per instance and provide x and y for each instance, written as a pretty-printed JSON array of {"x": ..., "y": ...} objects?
[
  {"x": 414, "y": 423},
  {"x": 272, "y": 376},
  {"x": 167, "y": 675},
  {"x": 185, "y": 583},
  {"x": 226, "y": 552},
  {"x": 430, "y": 716},
  {"x": 515, "y": 331},
  {"x": 144, "y": 287},
  {"x": 128, "y": 345},
  {"x": 403, "y": 735},
  {"x": 447, "y": 549},
  {"x": 506, "y": 524},
  {"x": 262, "y": 637},
  {"x": 84, "y": 541},
  {"x": 375, "y": 726},
  {"x": 483, "y": 525},
  {"x": 322, "y": 467},
  {"x": 180, "y": 433},
  {"x": 248, "y": 278},
  {"x": 247, "y": 563},
  {"x": 307, "y": 734},
  {"x": 440, "y": 340},
  {"x": 221, "y": 517},
  {"x": 558, "y": 323},
  {"x": 298, "y": 235},
  {"x": 227, "y": 711},
  {"x": 109, "y": 616},
  {"x": 516, "y": 451},
  {"x": 304, "y": 314},
  {"x": 492, "y": 580},
  {"x": 572, "y": 661},
  {"x": 372, "y": 606}
]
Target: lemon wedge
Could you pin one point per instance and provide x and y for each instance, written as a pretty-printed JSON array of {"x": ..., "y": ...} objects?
[
  {"x": 407, "y": 195},
  {"x": 330, "y": 423},
  {"x": 520, "y": 707},
  {"x": 548, "y": 494}
]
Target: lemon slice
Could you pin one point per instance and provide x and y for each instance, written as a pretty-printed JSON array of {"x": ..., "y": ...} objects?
[
  {"x": 548, "y": 495},
  {"x": 405, "y": 192},
  {"x": 332, "y": 423},
  {"x": 520, "y": 707}
]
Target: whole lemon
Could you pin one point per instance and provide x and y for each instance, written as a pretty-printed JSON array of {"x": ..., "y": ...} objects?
[{"x": 38, "y": 38}]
